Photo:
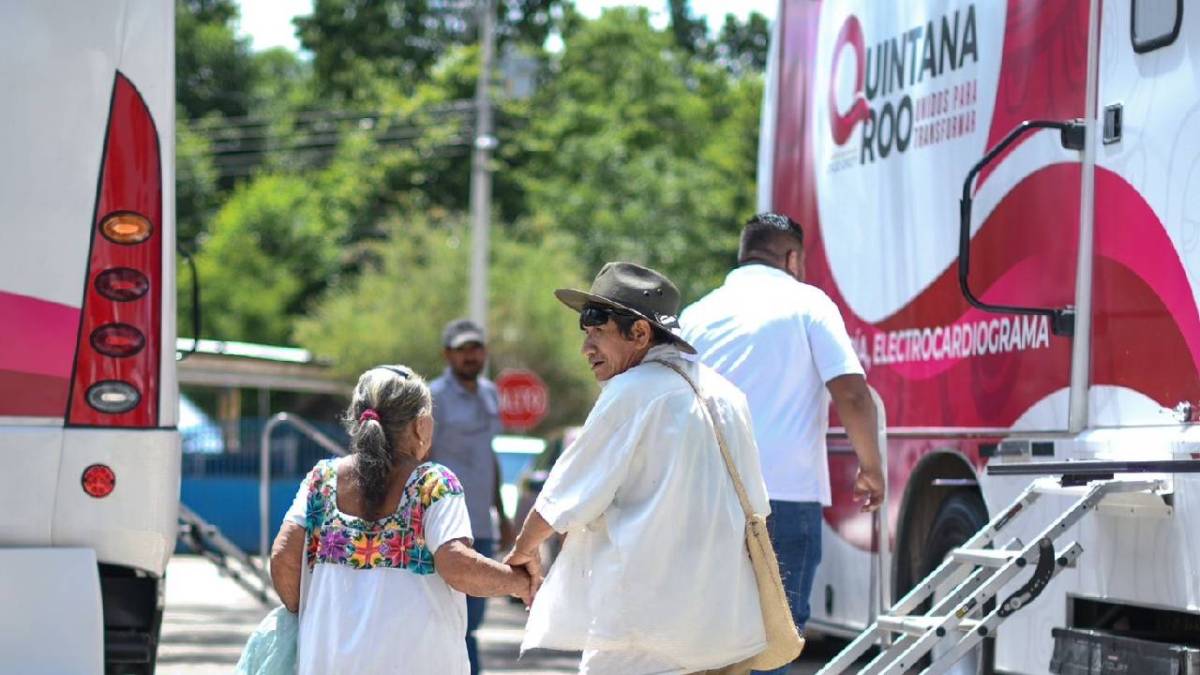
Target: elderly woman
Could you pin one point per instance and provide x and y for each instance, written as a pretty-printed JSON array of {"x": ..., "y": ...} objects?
[{"x": 375, "y": 553}]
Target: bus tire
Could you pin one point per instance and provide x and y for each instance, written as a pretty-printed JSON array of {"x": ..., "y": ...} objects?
[
  {"x": 958, "y": 518},
  {"x": 961, "y": 514}
]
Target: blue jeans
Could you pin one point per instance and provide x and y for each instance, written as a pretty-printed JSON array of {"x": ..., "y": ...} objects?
[
  {"x": 475, "y": 607},
  {"x": 795, "y": 529}
]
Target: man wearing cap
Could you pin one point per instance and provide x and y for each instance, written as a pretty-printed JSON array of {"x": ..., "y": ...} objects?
[
  {"x": 783, "y": 343},
  {"x": 466, "y": 409},
  {"x": 654, "y": 576}
]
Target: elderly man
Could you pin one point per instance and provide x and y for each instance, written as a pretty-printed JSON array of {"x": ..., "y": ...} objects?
[{"x": 653, "y": 576}]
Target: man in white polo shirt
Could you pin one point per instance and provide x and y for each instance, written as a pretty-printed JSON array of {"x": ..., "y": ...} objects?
[{"x": 784, "y": 344}]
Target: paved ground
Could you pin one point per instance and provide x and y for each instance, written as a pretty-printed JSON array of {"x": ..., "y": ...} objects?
[{"x": 208, "y": 619}]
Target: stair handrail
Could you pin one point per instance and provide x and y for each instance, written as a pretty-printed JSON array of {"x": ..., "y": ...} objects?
[{"x": 264, "y": 474}]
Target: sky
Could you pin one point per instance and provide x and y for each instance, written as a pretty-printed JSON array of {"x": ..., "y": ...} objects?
[{"x": 268, "y": 23}]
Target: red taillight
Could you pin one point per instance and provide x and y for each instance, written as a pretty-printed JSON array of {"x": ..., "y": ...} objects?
[
  {"x": 99, "y": 480},
  {"x": 122, "y": 284},
  {"x": 119, "y": 348},
  {"x": 118, "y": 340}
]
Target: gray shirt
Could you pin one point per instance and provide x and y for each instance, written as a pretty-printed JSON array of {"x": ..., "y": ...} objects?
[{"x": 465, "y": 424}]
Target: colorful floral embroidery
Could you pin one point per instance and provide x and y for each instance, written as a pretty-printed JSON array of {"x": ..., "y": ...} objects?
[{"x": 397, "y": 541}]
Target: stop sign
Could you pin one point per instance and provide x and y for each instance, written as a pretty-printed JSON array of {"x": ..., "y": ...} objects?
[{"x": 523, "y": 398}]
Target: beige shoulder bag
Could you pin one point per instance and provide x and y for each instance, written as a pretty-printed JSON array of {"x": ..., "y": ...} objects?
[{"x": 784, "y": 642}]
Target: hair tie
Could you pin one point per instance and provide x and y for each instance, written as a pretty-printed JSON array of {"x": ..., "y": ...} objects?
[{"x": 368, "y": 414}]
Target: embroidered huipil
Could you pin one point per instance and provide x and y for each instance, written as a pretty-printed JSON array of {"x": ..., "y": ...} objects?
[
  {"x": 374, "y": 603},
  {"x": 655, "y": 558}
]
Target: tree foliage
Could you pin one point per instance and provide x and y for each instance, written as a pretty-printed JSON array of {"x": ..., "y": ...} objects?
[
  {"x": 213, "y": 68},
  {"x": 395, "y": 310},
  {"x": 364, "y": 48},
  {"x": 326, "y": 199},
  {"x": 643, "y": 154}
]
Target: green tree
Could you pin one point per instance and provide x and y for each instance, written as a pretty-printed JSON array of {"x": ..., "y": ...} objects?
[
  {"x": 364, "y": 50},
  {"x": 213, "y": 67},
  {"x": 196, "y": 189},
  {"x": 690, "y": 32},
  {"x": 642, "y": 153},
  {"x": 395, "y": 310},
  {"x": 742, "y": 46}
]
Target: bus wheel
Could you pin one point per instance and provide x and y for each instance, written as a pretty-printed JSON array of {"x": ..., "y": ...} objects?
[{"x": 960, "y": 516}]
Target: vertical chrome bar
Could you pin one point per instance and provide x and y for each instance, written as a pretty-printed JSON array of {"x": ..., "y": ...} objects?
[{"x": 1081, "y": 346}]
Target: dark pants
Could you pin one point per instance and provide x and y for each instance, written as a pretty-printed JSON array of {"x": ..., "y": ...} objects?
[
  {"x": 475, "y": 608},
  {"x": 795, "y": 529}
]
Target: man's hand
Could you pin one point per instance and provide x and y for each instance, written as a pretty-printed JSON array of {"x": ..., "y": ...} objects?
[
  {"x": 856, "y": 408},
  {"x": 532, "y": 563},
  {"x": 868, "y": 488}
]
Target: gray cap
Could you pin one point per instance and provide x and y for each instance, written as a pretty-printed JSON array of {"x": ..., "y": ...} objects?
[{"x": 460, "y": 332}]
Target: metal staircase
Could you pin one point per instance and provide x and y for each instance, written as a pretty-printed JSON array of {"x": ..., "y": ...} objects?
[
  {"x": 977, "y": 572},
  {"x": 206, "y": 540}
]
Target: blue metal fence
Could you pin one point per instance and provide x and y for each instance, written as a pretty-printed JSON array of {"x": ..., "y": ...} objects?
[{"x": 222, "y": 487}]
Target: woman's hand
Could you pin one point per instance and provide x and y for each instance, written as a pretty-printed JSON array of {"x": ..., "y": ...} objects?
[
  {"x": 531, "y": 564},
  {"x": 525, "y": 593}
]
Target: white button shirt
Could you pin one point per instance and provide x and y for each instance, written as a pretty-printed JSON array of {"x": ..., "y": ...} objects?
[
  {"x": 779, "y": 341},
  {"x": 655, "y": 559}
]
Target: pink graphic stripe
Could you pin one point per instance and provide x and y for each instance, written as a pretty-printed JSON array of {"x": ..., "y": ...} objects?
[
  {"x": 1147, "y": 250},
  {"x": 36, "y": 336}
]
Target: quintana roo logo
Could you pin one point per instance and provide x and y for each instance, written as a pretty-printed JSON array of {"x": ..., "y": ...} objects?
[{"x": 842, "y": 124}]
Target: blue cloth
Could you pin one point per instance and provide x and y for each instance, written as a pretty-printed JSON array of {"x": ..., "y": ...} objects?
[
  {"x": 462, "y": 440},
  {"x": 795, "y": 529},
  {"x": 271, "y": 649}
]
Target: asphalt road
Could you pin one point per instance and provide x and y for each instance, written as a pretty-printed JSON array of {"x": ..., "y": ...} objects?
[{"x": 208, "y": 619}]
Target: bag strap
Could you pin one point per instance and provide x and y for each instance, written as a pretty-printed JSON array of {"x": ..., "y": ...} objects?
[{"x": 711, "y": 416}]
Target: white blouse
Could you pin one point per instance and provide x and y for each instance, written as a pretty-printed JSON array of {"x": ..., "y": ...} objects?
[
  {"x": 373, "y": 602},
  {"x": 655, "y": 560}
]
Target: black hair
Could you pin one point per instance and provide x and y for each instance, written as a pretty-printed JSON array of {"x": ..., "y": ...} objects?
[{"x": 767, "y": 236}]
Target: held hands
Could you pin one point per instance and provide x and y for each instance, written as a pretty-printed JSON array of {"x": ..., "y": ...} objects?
[
  {"x": 524, "y": 586},
  {"x": 529, "y": 564},
  {"x": 868, "y": 488}
]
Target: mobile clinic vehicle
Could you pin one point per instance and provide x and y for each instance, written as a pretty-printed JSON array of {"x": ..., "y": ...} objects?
[
  {"x": 88, "y": 397},
  {"x": 1065, "y": 325}
]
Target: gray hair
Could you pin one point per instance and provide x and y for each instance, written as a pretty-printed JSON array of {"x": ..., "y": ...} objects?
[{"x": 398, "y": 396}]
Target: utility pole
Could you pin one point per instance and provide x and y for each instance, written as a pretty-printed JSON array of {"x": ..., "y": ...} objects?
[{"x": 481, "y": 174}]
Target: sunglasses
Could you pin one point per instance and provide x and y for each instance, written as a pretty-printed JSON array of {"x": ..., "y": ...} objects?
[{"x": 598, "y": 315}]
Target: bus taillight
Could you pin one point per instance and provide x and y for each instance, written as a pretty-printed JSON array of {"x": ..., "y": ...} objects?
[
  {"x": 98, "y": 480},
  {"x": 119, "y": 346},
  {"x": 122, "y": 284}
]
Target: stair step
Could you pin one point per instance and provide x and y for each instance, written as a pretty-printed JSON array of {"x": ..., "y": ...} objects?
[
  {"x": 919, "y": 625},
  {"x": 984, "y": 557}
]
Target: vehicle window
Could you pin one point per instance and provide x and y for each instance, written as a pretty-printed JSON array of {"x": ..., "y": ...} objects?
[{"x": 1155, "y": 23}]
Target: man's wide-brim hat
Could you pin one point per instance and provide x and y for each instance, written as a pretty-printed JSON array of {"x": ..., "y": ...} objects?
[{"x": 640, "y": 291}]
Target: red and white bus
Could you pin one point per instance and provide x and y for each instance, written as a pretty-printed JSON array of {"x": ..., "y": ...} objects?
[
  {"x": 88, "y": 396},
  {"x": 875, "y": 114}
]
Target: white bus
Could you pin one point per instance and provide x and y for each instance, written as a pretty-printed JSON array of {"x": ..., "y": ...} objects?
[
  {"x": 88, "y": 395},
  {"x": 1057, "y": 320}
]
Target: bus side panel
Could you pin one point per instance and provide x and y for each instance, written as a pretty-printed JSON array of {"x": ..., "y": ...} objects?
[
  {"x": 25, "y": 501},
  {"x": 135, "y": 525},
  {"x": 883, "y": 110},
  {"x": 1146, "y": 333}
]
